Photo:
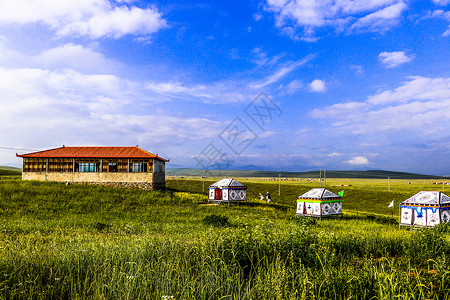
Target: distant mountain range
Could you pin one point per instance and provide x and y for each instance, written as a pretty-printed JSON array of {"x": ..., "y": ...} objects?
[
  {"x": 310, "y": 174},
  {"x": 4, "y": 170}
]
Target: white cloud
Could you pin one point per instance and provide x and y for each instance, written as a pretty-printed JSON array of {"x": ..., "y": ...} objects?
[
  {"x": 447, "y": 32},
  {"x": 420, "y": 106},
  {"x": 441, "y": 2},
  {"x": 42, "y": 108},
  {"x": 416, "y": 89},
  {"x": 178, "y": 90},
  {"x": 339, "y": 109},
  {"x": 393, "y": 59},
  {"x": 292, "y": 87},
  {"x": 233, "y": 90},
  {"x": 382, "y": 20},
  {"x": 334, "y": 154},
  {"x": 280, "y": 73},
  {"x": 358, "y": 161},
  {"x": 260, "y": 57},
  {"x": 91, "y": 18},
  {"x": 75, "y": 57},
  {"x": 317, "y": 85},
  {"x": 8, "y": 55},
  {"x": 379, "y": 15},
  {"x": 277, "y": 75},
  {"x": 439, "y": 14},
  {"x": 117, "y": 23},
  {"x": 257, "y": 17},
  {"x": 358, "y": 69}
]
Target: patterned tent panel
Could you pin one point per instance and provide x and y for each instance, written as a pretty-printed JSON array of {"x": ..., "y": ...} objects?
[
  {"x": 328, "y": 194},
  {"x": 319, "y": 193},
  {"x": 427, "y": 198},
  {"x": 227, "y": 182},
  {"x": 445, "y": 199}
]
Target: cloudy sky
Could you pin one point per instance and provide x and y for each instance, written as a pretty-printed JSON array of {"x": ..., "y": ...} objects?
[{"x": 278, "y": 84}]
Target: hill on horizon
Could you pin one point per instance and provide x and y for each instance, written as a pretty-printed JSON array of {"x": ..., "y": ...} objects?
[
  {"x": 369, "y": 174},
  {"x": 309, "y": 174},
  {"x": 9, "y": 171}
]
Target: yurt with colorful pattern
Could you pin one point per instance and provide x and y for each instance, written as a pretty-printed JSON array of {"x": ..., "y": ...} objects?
[
  {"x": 425, "y": 209},
  {"x": 319, "y": 202},
  {"x": 227, "y": 190}
]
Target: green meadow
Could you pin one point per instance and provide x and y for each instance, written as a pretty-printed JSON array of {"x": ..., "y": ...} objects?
[{"x": 61, "y": 241}]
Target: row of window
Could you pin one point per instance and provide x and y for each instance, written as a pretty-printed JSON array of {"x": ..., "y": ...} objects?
[{"x": 67, "y": 165}]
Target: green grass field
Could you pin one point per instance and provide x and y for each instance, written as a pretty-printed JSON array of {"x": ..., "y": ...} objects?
[
  {"x": 90, "y": 242},
  {"x": 9, "y": 171}
]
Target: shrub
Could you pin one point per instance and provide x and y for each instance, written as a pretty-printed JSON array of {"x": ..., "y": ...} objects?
[
  {"x": 443, "y": 228},
  {"x": 382, "y": 219},
  {"x": 100, "y": 226},
  {"x": 306, "y": 221},
  {"x": 216, "y": 220}
]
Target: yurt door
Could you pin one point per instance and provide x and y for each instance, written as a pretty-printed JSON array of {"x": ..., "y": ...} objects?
[{"x": 218, "y": 194}]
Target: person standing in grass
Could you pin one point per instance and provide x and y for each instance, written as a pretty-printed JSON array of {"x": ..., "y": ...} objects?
[
  {"x": 268, "y": 197},
  {"x": 261, "y": 197}
]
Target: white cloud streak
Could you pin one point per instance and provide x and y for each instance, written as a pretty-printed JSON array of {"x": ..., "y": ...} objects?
[
  {"x": 382, "y": 20},
  {"x": 280, "y": 73}
]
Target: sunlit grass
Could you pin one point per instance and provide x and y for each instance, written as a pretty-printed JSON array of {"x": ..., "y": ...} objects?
[{"x": 91, "y": 242}]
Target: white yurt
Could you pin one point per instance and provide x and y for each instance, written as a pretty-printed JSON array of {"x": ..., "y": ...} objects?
[
  {"x": 319, "y": 202},
  {"x": 425, "y": 209},
  {"x": 227, "y": 190}
]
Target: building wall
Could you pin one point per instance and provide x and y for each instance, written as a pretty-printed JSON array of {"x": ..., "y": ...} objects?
[
  {"x": 89, "y": 177},
  {"x": 159, "y": 172}
]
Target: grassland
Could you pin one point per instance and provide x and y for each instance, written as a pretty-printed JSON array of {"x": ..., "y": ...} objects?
[
  {"x": 9, "y": 171},
  {"x": 89, "y": 242}
]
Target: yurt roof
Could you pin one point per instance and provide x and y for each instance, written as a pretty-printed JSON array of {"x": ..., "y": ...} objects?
[
  {"x": 227, "y": 182},
  {"x": 427, "y": 198},
  {"x": 319, "y": 193}
]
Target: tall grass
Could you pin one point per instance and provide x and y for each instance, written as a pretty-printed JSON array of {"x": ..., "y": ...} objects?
[{"x": 90, "y": 242}]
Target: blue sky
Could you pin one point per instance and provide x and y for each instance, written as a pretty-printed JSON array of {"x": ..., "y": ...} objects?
[{"x": 352, "y": 85}]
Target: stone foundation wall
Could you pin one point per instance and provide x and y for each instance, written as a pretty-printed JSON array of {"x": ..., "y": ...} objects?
[
  {"x": 129, "y": 185},
  {"x": 142, "y": 181}
]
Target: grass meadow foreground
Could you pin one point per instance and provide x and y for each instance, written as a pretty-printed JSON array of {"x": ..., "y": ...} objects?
[{"x": 89, "y": 242}]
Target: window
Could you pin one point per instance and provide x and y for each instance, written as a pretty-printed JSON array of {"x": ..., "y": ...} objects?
[
  {"x": 112, "y": 167},
  {"x": 122, "y": 165},
  {"x": 34, "y": 165},
  {"x": 138, "y": 167},
  {"x": 88, "y": 167}
]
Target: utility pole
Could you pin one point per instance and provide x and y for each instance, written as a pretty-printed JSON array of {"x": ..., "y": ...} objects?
[
  {"x": 325, "y": 178},
  {"x": 389, "y": 184},
  {"x": 320, "y": 177},
  {"x": 203, "y": 190},
  {"x": 279, "y": 184}
]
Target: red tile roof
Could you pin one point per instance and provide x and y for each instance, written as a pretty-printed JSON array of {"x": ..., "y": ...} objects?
[{"x": 94, "y": 152}]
